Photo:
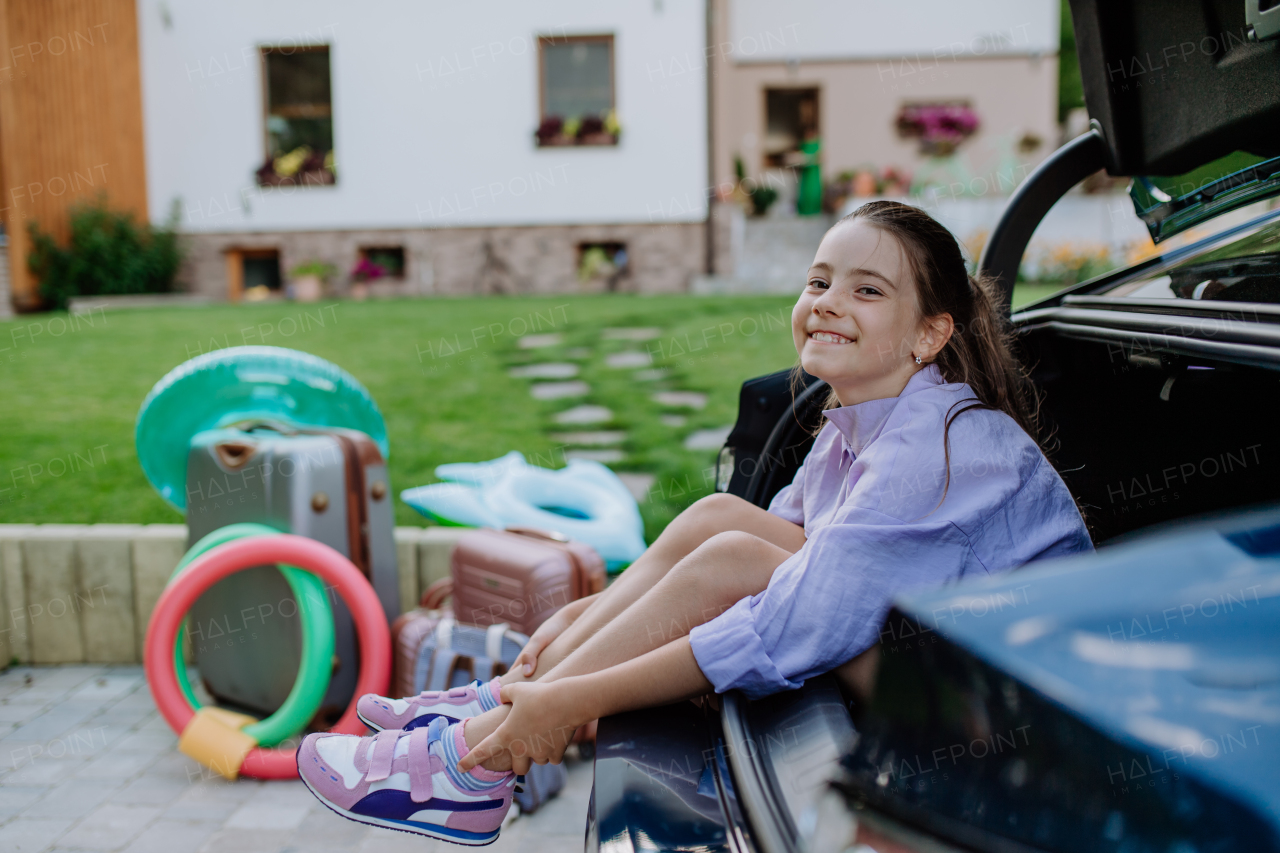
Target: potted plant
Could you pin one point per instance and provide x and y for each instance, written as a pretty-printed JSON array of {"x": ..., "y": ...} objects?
[
  {"x": 551, "y": 132},
  {"x": 308, "y": 280}
]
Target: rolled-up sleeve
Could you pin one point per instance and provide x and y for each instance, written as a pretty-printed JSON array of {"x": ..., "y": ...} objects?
[{"x": 826, "y": 603}]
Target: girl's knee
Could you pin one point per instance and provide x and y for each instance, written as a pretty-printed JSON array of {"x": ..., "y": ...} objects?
[
  {"x": 718, "y": 561},
  {"x": 711, "y": 515},
  {"x": 720, "y": 505}
]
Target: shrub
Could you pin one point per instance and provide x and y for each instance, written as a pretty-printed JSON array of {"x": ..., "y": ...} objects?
[{"x": 108, "y": 253}]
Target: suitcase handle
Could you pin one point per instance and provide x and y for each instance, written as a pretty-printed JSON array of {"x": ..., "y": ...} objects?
[{"x": 433, "y": 597}]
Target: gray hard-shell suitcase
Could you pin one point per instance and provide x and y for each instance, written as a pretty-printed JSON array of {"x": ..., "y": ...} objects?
[{"x": 326, "y": 484}]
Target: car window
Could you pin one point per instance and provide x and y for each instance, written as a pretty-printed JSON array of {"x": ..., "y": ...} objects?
[{"x": 1246, "y": 269}]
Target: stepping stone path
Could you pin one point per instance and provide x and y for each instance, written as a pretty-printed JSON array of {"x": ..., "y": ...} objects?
[
  {"x": 540, "y": 341},
  {"x": 681, "y": 399},
  {"x": 546, "y": 370},
  {"x": 585, "y": 414},
  {"x": 598, "y": 437},
  {"x": 600, "y": 445},
  {"x": 633, "y": 333},
  {"x": 629, "y": 358},
  {"x": 708, "y": 439},
  {"x": 556, "y": 390},
  {"x": 602, "y": 456}
]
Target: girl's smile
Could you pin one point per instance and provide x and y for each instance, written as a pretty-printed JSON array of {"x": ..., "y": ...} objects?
[
  {"x": 825, "y": 337},
  {"x": 857, "y": 323}
]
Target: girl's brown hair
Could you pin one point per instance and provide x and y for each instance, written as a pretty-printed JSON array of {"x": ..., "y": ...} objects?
[{"x": 979, "y": 352}]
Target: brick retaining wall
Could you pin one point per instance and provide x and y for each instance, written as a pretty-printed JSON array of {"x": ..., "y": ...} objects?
[{"x": 83, "y": 593}]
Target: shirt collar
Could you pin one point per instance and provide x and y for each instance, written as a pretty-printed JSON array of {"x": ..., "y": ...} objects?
[{"x": 860, "y": 424}]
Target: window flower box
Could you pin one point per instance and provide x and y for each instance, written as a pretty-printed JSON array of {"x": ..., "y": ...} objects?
[{"x": 555, "y": 131}]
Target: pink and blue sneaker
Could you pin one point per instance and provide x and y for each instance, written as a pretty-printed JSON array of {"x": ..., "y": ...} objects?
[
  {"x": 380, "y": 713},
  {"x": 408, "y": 781}
]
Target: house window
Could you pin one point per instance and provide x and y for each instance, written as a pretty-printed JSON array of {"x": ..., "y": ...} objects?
[
  {"x": 253, "y": 274},
  {"x": 299, "y": 116},
  {"x": 576, "y": 91},
  {"x": 602, "y": 265},
  {"x": 382, "y": 262}
]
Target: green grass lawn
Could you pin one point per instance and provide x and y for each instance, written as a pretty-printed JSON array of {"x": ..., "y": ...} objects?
[{"x": 70, "y": 388}]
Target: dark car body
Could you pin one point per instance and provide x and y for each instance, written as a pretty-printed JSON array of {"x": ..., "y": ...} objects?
[{"x": 1127, "y": 700}]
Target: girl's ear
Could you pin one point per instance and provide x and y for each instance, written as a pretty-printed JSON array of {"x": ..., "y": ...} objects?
[{"x": 934, "y": 333}]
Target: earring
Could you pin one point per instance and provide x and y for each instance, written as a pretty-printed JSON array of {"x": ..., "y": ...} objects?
[{"x": 918, "y": 360}]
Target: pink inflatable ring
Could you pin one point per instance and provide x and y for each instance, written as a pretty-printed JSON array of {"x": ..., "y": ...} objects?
[{"x": 214, "y": 738}]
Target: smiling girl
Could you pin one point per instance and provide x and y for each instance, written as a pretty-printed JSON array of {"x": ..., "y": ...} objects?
[{"x": 926, "y": 470}]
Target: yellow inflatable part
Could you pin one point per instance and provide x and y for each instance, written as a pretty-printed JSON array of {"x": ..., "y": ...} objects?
[{"x": 214, "y": 738}]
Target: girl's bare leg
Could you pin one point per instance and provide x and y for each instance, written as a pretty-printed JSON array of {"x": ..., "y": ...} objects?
[
  {"x": 717, "y": 574},
  {"x": 713, "y": 515}
]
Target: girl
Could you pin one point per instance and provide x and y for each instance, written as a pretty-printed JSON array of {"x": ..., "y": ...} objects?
[{"x": 926, "y": 470}]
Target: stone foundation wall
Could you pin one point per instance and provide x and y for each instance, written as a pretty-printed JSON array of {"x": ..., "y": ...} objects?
[
  {"x": 663, "y": 258},
  {"x": 83, "y": 593}
]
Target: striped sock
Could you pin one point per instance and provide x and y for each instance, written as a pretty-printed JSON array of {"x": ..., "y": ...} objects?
[
  {"x": 489, "y": 694},
  {"x": 455, "y": 747}
]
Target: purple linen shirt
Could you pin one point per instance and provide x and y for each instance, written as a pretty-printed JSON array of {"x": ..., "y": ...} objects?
[{"x": 868, "y": 497}]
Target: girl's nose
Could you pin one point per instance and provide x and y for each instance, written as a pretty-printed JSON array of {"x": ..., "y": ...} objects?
[{"x": 825, "y": 304}]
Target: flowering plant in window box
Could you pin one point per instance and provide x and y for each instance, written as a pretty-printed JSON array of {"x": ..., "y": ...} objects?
[
  {"x": 579, "y": 130},
  {"x": 366, "y": 270},
  {"x": 940, "y": 127},
  {"x": 299, "y": 167}
]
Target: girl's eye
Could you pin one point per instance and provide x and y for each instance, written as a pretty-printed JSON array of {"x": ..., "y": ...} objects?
[
  {"x": 869, "y": 289},
  {"x": 817, "y": 282}
]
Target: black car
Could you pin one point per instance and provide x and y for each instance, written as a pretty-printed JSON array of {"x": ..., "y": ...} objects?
[{"x": 1123, "y": 701}]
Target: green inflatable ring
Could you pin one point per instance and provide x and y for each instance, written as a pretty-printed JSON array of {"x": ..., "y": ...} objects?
[
  {"x": 244, "y": 384},
  {"x": 316, "y": 665}
]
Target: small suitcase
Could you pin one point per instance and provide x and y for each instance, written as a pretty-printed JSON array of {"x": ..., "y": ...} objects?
[
  {"x": 520, "y": 576},
  {"x": 434, "y": 652},
  {"x": 329, "y": 485},
  {"x": 431, "y": 651}
]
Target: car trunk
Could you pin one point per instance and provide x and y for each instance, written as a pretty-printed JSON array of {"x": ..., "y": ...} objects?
[{"x": 1142, "y": 437}]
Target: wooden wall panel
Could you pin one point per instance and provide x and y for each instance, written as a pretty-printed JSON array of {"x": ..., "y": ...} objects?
[{"x": 70, "y": 118}]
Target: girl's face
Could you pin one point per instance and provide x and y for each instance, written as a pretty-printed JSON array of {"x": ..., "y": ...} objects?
[{"x": 856, "y": 325}]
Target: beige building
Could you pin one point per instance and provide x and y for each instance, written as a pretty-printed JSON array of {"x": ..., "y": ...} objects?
[{"x": 865, "y": 76}]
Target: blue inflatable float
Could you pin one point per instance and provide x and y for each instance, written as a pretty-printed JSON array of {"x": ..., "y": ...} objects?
[{"x": 584, "y": 501}]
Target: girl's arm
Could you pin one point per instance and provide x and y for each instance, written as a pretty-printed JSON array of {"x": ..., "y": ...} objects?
[{"x": 544, "y": 714}]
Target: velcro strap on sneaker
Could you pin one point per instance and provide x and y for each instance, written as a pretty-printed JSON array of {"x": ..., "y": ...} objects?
[
  {"x": 384, "y": 752},
  {"x": 420, "y": 761}
]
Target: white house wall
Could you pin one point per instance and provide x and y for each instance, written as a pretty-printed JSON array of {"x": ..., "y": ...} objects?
[{"x": 435, "y": 107}]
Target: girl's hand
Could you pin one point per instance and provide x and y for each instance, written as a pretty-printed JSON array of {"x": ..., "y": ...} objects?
[{"x": 539, "y": 728}]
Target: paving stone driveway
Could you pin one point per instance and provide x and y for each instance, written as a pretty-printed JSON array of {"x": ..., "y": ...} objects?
[{"x": 87, "y": 763}]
